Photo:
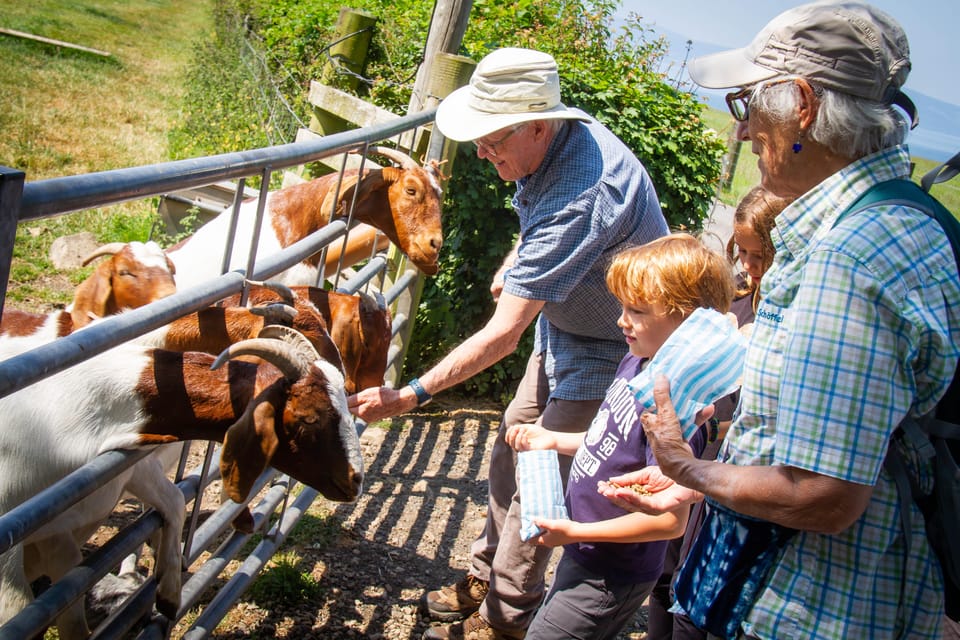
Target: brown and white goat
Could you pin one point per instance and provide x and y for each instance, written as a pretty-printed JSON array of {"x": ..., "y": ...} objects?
[
  {"x": 56, "y": 547},
  {"x": 136, "y": 274},
  {"x": 403, "y": 202},
  {"x": 358, "y": 325},
  {"x": 289, "y": 412}
]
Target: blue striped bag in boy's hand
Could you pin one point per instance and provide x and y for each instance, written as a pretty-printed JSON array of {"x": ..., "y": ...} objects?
[
  {"x": 541, "y": 490},
  {"x": 702, "y": 359}
]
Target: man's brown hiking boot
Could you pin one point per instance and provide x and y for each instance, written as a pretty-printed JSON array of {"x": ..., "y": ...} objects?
[
  {"x": 455, "y": 602},
  {"x": 473, "y": 628}
]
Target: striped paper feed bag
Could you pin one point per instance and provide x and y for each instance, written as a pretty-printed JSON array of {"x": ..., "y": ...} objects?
[
  {"x": 702, "y": 359},
  {"x": 541, "y": 490}
]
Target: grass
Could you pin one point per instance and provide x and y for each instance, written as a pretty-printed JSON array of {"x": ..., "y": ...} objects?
[
  {"x": 286, "y": 580},
  {"x": 66, "y": 112},
  {"x": 747, "y": 175}
]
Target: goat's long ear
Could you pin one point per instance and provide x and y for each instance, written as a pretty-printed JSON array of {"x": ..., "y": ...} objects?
[
  {"x": 343, "y": 202},
  {"x": 372, "y": 182},
  {"x": 248, "y": 447},
  {"x": 92, "y": 296}
]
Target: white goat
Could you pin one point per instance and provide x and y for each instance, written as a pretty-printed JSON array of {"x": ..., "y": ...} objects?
[
  {"x": 290, "y": 414},
  {"x": 404, "y": 203}
]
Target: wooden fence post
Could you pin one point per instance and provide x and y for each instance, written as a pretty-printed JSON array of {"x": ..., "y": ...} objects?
[
  {"x": 354, "y": 33},
  {"x": 730, "y": 160},
  {"x": 442, "y": 72}
]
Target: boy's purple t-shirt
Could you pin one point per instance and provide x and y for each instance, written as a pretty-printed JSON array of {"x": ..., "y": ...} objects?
[{"x": 615, "y": 444}]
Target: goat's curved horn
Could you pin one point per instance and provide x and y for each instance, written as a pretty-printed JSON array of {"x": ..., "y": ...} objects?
[
  {"x": 299, "y": 342},
  {"x": 286, "y": 293},
  {"x": 275, "y": 313},
  {"x": 396, "y": 155},
  {"x": 104, "y": 250},
  {"x": 290, "y": 358}
]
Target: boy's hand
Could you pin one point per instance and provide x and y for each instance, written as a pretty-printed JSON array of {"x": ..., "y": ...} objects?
[
  {"x": 556, "y": 532},
  {"x": 525, "y": 437}
]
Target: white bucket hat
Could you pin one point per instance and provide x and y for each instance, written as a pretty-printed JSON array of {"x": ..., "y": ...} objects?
[{"x": 508, "y": 87}]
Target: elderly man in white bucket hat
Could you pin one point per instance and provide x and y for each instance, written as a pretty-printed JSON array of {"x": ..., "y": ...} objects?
[
  {"x": 857, "y": 333},
  {"x": 581, "y": 196}
]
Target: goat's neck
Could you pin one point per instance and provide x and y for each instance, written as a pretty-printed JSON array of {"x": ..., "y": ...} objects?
[{"x": 185, "y": 400}]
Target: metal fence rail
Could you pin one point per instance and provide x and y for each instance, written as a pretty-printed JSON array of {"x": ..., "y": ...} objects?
[{"x": 276, "y": 512}]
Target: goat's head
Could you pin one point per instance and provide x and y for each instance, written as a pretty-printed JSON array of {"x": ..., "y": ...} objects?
[
  {"x": 136, "y": 274},
  {"x": 300, "y": 425},
  {"x": 362, "y": 329},
  {"x": 413, "y": 197}
]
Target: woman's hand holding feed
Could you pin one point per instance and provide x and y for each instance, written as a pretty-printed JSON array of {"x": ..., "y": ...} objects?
[{"x": 646, "y": 490}]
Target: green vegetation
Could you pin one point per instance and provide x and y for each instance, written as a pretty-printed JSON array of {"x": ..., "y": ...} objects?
[
  {"x": 284, "y": 581},
  {"x": 746, "y": 174}
]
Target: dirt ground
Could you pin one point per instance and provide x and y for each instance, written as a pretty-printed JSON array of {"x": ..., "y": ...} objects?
[{"x": 370, "y": 562}]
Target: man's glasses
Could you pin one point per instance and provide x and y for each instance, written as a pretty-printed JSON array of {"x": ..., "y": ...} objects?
[
  {"x": 492, "y": 148},
  {"x": 738, "y": 102}
]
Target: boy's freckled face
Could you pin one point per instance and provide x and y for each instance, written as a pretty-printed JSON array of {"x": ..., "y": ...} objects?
[{"x": 646, "y": 327}]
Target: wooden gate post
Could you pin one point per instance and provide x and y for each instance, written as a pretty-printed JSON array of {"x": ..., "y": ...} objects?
[
  {"x": 354, "y": 33},
  {"x": 442, "y": 72}
]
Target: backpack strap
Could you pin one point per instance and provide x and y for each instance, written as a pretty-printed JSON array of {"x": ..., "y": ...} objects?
[
  {"x": 942, "y": 173},
  {"x": 938, "y": 423},
  {"x": 909, "y": 194}
]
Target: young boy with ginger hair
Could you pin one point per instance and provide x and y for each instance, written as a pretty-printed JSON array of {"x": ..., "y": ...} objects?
[{"x": 612, "y": 557}]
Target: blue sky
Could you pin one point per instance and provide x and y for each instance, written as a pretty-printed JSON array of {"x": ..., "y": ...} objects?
[{"x": 931, "y": 26}]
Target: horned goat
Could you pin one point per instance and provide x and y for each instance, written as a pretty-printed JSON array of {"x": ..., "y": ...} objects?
[
  {"x": 403, "y": 202},
  {"x": 359, "y": 325},
  {"x": 288, "y": 412},
  {"x": 57, "y": 546},
  {"x": 136, "y": 274}
]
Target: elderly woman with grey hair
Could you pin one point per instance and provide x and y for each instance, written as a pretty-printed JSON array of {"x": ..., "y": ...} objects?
[{"x": 857, "y": 329}]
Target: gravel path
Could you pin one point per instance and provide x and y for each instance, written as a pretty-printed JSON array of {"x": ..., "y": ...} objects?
[{"x": 370, "y": 562}]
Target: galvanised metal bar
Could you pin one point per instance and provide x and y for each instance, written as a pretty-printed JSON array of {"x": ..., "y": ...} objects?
[
  {"x": 33, "y": 618},
  {"x": 11, "y": 188},
  {"x": 138, "y": 605},
  {"x": 19, "y": 522},
  {"x": 222, "y": 519},
  {"x": 53, "y": 196},
  {"x": 403, "y": 282},
  {"x": 228, "y": 594},
  {"x": 201, "y": 580}
]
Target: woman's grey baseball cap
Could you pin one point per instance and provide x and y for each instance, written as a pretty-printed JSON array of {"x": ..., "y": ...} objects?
[{"x": 851, "y": 47}]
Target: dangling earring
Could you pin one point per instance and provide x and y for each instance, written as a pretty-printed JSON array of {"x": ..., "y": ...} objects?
[{"x": 796, "y": 145}]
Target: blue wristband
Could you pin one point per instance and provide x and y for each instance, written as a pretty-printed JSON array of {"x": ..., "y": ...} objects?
[{"x": 422, "y": 396}]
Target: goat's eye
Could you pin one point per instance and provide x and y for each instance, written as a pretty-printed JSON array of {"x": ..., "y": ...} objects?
[
  {"x": 411, "y": 191},
  {"x": 124, "y": 272}
]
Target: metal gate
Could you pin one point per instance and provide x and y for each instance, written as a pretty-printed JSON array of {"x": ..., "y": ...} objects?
[{"x": 277, "y": 510}]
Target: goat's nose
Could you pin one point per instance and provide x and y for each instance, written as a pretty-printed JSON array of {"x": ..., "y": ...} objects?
[
  {"x": 356, "y": 481},
  {"x": 436, "y": 242}
]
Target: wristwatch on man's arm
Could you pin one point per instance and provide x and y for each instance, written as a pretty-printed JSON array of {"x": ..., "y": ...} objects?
[{"x": 423, "y": 397}]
